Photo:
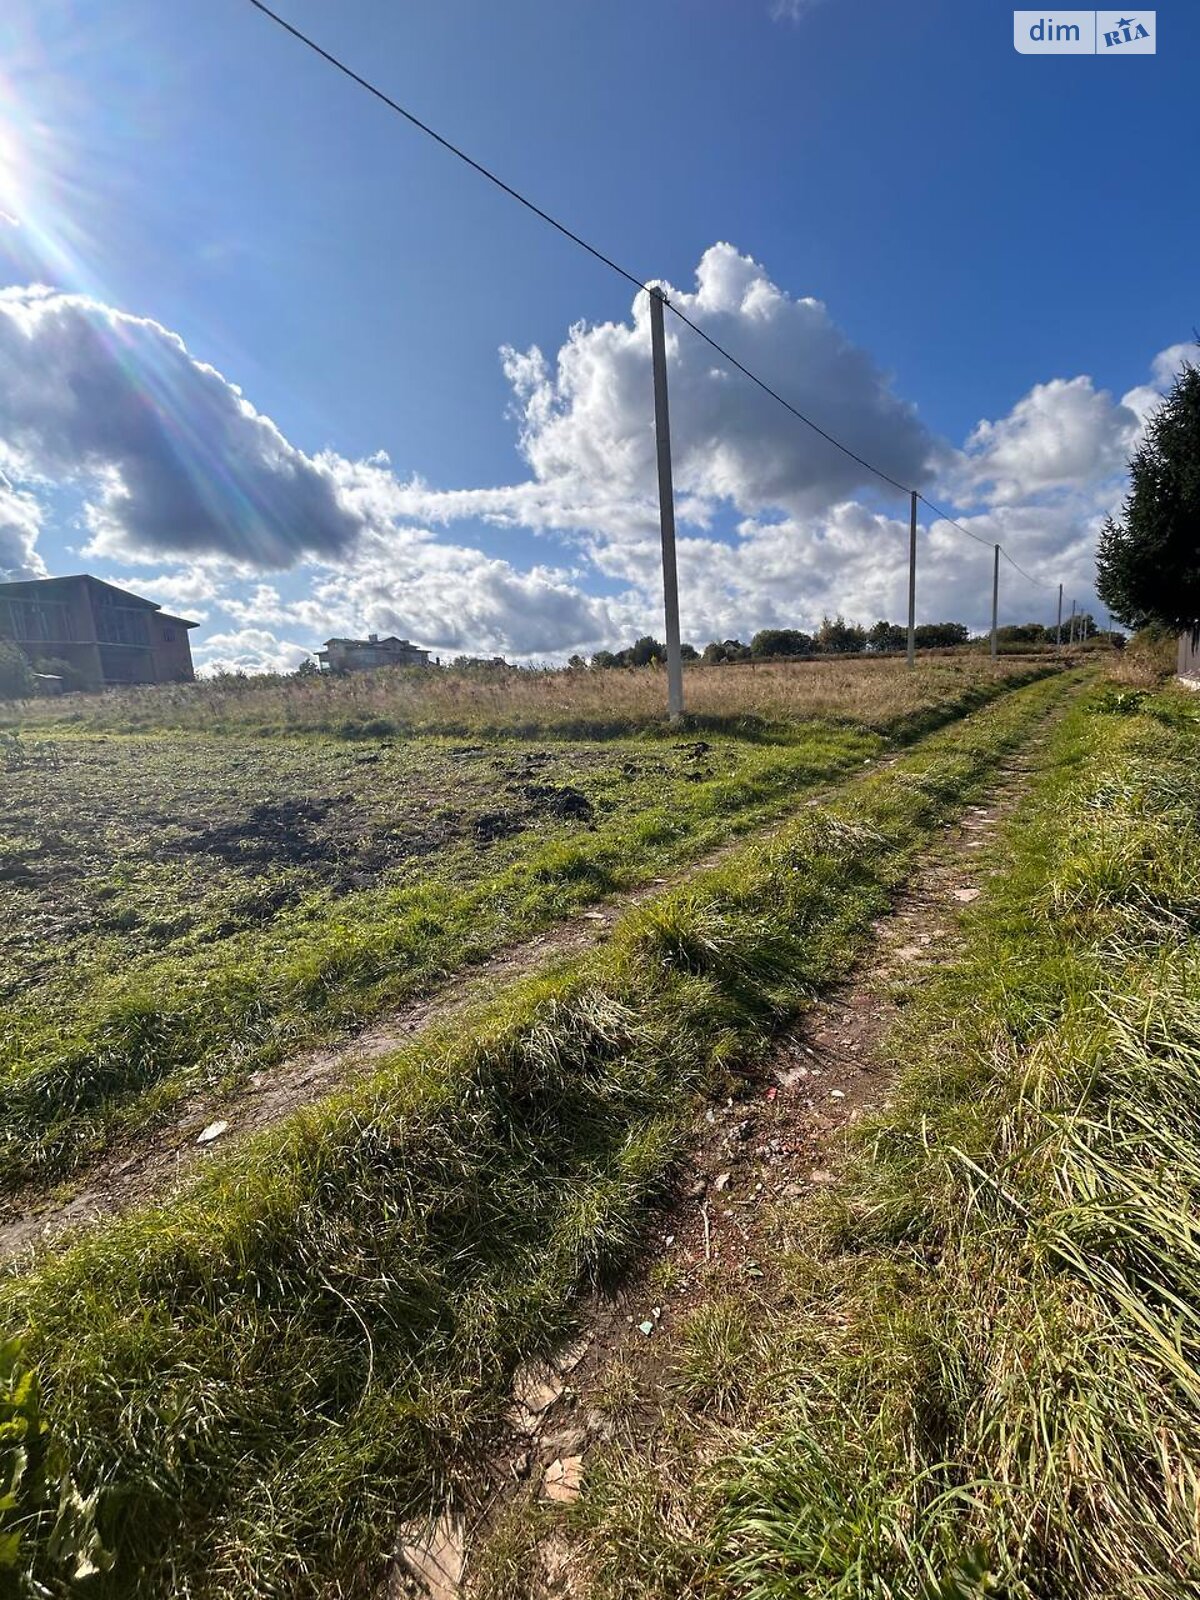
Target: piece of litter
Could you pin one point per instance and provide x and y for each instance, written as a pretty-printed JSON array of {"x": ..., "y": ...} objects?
[
  {"x": 721, "y": 1181},
  {"x": 771, "y": 1093},
  {"x": 837, "y": 1094},
  {"x": 213, "y": 1131},
  {"x": 646, "y": 1327}
]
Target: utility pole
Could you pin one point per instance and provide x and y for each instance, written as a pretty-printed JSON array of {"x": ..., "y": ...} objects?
[
  {"x": 1071, "y": 635},
  {"x": 1058, "y": 624},
  {"x": 666, "y": 506},
  {"x": 995, "y": 600},
  {"x": 912, "y": 582}
]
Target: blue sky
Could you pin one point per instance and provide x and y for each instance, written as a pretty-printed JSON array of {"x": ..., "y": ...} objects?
[{"x": 995, "y": 238}]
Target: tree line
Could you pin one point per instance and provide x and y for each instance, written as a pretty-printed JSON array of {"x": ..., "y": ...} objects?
[{"x": 835, "y": 637}]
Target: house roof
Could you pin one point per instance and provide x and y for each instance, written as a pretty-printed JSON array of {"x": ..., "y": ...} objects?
[
  {"x": 32, "y": 586},
  {"x": 374, "y": 644}
]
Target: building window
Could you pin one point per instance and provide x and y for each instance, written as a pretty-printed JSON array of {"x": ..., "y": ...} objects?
[{"x": 121, "y": 625}]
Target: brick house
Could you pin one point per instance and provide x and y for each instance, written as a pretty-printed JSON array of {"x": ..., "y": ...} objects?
[{"x": 107, "y": 635}]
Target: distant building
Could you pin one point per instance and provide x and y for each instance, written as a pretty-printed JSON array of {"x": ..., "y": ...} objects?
[
  {"x": 105, "y": 634},
  {"x": 362, "y": 655},
  {"x": 1189, "y": 659}
]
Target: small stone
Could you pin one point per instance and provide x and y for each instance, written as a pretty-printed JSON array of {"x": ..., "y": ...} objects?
[
  {"x": 536, "y": 1389},
  {"x": 721, "y": 1181},
  {"x": 572, "y": 1354},
  {"x": 837, "y": 1094},
  {"x": 821, "y": 1176},
  {"x": 213, "y": 1131},
  {"x": 966, "y": 895},
  {"x": 434, "y": 1555},
  {"x": 564, "y": 1479}
]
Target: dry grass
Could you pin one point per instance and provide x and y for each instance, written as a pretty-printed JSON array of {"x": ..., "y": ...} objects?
[
  {"x": 1148, "y": 658},
  {"x": 523, "y": 702}
]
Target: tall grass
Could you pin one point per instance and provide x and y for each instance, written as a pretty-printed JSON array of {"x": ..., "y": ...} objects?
[
  {"x": 260, "y": 1379},
  {"x": 995, "y": 1364},
  {"x": 516, "y": 702}
]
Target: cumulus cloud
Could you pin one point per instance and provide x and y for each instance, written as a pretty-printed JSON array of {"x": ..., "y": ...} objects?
[
  {"x": 586, "y": 422},
  {"x": 1065, "y": 434},
  {"x": 20, "y": 524},
  {"x": 248, "y": 650},
  {"x": 171, "y": 457},
  {"x": 452, "y": 598},
  {"x": 176, "y": 468},
  {"x": 1164, "y": 369}
]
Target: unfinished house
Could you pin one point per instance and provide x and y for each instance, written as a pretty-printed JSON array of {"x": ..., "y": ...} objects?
[
  {"x": 362, "y": 655},
  {"x": 105, "y": 634}
]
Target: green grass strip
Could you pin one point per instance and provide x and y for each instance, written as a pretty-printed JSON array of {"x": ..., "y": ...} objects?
[
  {"x": 994, "y": 1365},
  {"x": 257, "y": 1381}
]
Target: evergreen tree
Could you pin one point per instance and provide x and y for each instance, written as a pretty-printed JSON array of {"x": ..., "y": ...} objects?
[{"x": 1148, "y": 564}]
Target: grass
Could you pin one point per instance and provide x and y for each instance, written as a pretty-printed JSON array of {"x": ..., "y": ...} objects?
[
  {"x": 256, "y": 1382},
  {"x": 181, "y": 910},
  {"x": 983, "y": 1369},
  {"x": 513, "y": 702}
]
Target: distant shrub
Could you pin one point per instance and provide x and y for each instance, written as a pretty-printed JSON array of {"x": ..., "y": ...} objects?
[{"x": 16, "y": 675}]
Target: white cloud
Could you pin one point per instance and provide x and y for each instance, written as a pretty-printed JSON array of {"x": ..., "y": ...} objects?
[
  {"x": 1065, "y": 434},
  {"x": 248, "y": 650},
  {"x": 20, "y": 524},
  {"x": 1165, "y": 367},
  {"x": 177, "y": 467},
  {"x": 586, "y": 423},
  {"x": 188, "y": 587}
]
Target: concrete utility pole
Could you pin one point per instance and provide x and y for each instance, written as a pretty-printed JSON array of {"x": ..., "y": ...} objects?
[
  {"x": 1058, "y": 624},
  {"x": 912, "y": 582},
  {"x": 666, "y": 506},
  {"x": 1071, "y": 635},
  {"x": 995, "y": 600}
]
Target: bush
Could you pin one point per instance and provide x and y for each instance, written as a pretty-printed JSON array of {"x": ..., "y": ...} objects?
[{"x": 16, "y": 675}]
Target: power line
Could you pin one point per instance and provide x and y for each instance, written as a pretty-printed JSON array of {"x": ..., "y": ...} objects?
[
  {"x": 944, "y": 516},
  {"x": 630, "y": 277},
  {"x": 1042, "y": 583},
  {"x": 530, "y": 205},
  {"x": 787, "y": 405},
  {"x": 409, "y": 116}
]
